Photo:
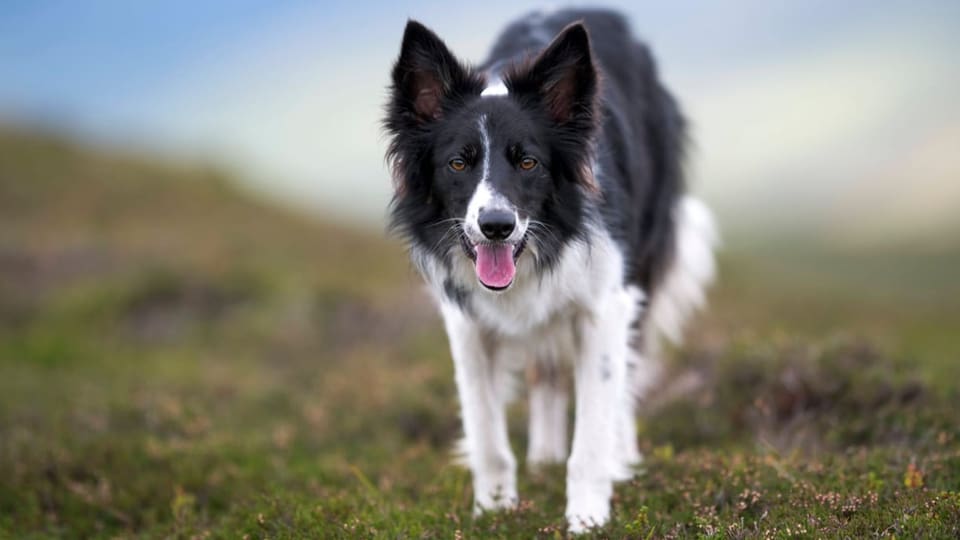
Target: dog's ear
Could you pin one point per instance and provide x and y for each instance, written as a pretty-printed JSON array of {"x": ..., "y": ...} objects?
[
  {"x": 563, "y": 76},
  {"x": 563, "y": 82},
  {"x": 425, "y": 74}
]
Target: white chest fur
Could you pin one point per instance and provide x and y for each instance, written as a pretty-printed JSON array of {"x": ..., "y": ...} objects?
[{"x": 586, "y": 272}]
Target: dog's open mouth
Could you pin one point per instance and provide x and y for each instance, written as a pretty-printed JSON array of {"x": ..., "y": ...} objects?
[{"x": 495, "y": 262}]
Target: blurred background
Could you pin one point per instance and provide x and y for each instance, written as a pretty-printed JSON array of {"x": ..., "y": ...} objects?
[
  {"x": 838, "y": 120},
  {"x": 203, "y": 325}
]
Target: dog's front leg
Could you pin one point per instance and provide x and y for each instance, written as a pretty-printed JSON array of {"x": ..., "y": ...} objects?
[
  {"x": 482, "y": 401},
  {"x": 600, "y": 381}
]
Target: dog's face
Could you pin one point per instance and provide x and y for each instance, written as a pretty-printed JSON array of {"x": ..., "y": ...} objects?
[{"x": 490, "y": 177}]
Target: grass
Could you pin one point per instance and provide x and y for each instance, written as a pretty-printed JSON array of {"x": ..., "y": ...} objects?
[{"x": 179, "y": 359}]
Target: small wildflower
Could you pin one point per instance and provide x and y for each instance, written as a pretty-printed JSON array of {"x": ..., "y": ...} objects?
[
  {"x": 913, "y": 478},
  {"x": 664, "y": 452}
]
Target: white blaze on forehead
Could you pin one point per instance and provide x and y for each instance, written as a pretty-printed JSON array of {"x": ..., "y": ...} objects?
[
  {"x": 485, "y": 141},
  {"x": 485, "y": 197},
  {"x": 496, "y": 88}
]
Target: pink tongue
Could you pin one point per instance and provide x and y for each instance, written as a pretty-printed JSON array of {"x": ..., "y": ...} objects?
[{"x": 495, "y": 266}]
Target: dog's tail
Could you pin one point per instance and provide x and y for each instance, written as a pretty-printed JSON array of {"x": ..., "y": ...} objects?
[
  {"x": 680, "y": 294},
  {"x": 683, "y": 289}
]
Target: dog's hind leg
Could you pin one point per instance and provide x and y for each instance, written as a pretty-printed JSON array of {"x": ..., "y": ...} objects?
[
  {"x": 636, "y": 369},
  {"x": 486, "y": 446},
  {"x": 549, "y": 396}
]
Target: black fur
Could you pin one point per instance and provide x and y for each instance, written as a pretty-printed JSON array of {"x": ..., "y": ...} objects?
[
  {"x": 589, "y": 96},
  {"x": 457, "y": 294}
]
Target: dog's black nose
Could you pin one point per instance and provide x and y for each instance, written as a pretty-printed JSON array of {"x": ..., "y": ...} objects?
[{"x": 496, "y": 224}]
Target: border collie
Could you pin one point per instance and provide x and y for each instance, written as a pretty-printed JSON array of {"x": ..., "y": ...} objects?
[{"x": 542, "y": 198}]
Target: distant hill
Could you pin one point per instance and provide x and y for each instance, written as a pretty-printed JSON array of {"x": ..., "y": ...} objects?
[{"x": 68, "y": 211}]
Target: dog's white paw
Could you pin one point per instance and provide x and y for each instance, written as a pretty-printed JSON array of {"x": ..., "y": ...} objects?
[
  {"x": 588, "y": 505},
  {"x": 494, "y": 504},
  {"x": 580, "y": 524},
  {"x": 494, "y": 494}
]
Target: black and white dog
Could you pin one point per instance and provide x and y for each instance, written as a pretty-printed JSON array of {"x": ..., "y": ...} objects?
[{"x": 542, "y": 198}]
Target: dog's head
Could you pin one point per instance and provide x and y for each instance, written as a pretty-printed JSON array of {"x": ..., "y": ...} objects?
[{"x": 492, "y": 169}]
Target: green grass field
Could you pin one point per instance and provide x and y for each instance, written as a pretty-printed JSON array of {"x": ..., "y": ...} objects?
[{"x": 179, "y": 359}]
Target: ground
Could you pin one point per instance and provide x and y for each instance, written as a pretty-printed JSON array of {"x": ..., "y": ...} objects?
[{"x": 181, "y": 359}]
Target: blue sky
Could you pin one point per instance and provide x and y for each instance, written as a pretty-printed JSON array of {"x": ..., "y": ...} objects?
[{"x": 800, "y": 110}]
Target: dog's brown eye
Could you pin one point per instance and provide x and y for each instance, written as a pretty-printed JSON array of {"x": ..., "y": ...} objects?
[
  {"x": 458, "y": 164},
  {"x": 528, "y": 163}
]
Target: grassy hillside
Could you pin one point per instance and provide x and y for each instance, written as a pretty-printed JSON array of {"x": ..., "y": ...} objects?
[{"x": 178, "y": 359}]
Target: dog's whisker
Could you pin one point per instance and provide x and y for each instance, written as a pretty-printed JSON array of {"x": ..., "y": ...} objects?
[
  {"x": 445, "y": 221},
  {"x": 455, "y": 228},
  {"x": 540, "y": 226}
]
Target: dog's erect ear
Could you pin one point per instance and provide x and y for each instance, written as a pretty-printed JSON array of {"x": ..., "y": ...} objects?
[
  {"x": 563, "y": 82},
  {"x": 564, "y": 76},
  {"x": 425, "y": 73}
]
